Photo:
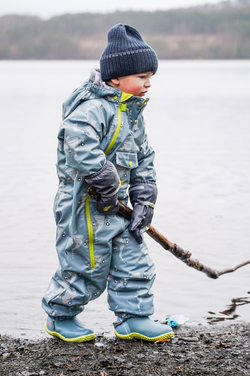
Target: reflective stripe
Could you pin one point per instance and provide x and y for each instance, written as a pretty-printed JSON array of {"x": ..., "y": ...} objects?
[
  {"x": 146, "y": 203},
  {"x": 91, "y": 237},
  {"x": 112, "y": 194}
]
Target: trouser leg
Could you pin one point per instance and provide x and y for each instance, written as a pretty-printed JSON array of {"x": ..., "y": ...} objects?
[
  {"x": 131, "y": 277},
  {"x": 75, "y": 284}
]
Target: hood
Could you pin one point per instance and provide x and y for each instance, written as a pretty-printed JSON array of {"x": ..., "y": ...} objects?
[{"x": 92, "y": 88}]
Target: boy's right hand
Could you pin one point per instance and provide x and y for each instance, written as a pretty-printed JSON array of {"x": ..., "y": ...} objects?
[
  {"x": 108, "y": 205},
  {"x": 107, "y": 183}
]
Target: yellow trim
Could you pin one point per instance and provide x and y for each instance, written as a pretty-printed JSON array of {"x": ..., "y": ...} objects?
[
  {"x": 143, "y": 103},
  {"x": 91, "y": 236},
  {"x": 88, "y": 337},
  {"x": 107, "y": 208},
  {"x": 125, "y": 96},
  {"x": 122, "y": 108},
  {"x": 143, "y": 337}
]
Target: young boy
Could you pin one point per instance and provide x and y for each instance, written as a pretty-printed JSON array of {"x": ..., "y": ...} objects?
[{"x": 102, "y": 143}]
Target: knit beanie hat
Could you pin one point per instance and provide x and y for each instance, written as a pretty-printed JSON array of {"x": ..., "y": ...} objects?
[{"x": 126, "y": 53}]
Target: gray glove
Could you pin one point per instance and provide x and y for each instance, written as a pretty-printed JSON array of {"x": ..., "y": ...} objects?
[
  {"x": 107, "y": 183},
  {"x": 143, "y": 198}
]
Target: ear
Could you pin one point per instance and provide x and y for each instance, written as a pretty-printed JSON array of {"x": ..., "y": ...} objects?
[{"x": 115, "y": 81}]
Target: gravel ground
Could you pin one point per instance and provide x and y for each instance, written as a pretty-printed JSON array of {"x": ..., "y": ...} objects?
[{"x": 216, "y": 350}]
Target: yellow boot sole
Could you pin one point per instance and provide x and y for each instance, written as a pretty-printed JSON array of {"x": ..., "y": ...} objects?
[
  {"x": 145, "y": 338},
  {"x": 88, "y": 337}
]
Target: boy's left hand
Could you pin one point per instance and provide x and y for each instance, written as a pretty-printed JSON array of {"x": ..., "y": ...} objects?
[
  {"x": 143, "y": 197},
  {"x": 140, "y": 221}
]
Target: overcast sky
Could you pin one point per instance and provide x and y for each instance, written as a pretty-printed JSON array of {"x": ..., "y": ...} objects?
[{"x": 49, "y": 8}]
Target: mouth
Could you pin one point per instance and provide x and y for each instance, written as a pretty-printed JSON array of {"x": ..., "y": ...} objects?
[{"x": 143, "y": 93}]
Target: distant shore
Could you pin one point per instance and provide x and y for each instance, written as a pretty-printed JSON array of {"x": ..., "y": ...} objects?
[
  {"x": 218, "y": 350},
  {"x": 219, "y": 31}
]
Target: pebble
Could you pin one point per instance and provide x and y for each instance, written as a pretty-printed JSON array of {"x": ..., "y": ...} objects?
[{"x": 219, "y": 350}]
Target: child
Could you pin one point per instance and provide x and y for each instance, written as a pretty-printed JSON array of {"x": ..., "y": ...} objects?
[{"x": 102, "y": 143}]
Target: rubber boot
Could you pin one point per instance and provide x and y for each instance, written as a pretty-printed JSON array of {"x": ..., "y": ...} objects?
[
  {"x": 70, "y": 330},
  {"x": 142, "y": 328}
]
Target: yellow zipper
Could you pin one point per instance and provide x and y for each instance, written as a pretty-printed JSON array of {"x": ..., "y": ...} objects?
[
  {"x": 122, "y": 108},
  {"x": 91, "y": 234}
]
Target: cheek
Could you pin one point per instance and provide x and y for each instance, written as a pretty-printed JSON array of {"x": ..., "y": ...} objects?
[{"x": 135, "y": 87}]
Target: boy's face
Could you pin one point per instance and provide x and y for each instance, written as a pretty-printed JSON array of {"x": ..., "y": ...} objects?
[{"x": 136, "y": 84}]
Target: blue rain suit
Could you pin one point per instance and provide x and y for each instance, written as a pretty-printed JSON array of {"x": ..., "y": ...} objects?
[{"x": 96, "y": 251}]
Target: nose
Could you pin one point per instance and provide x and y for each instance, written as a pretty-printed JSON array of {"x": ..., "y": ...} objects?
[{"x": 147, "y": 83}]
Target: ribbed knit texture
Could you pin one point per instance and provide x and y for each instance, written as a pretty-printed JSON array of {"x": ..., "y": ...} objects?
[{"x": 126, "y": 53}]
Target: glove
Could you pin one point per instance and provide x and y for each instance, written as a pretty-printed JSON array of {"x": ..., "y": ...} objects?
[
  {"x": 143, "y": 197},
  {"x": 107, "y": 183}
]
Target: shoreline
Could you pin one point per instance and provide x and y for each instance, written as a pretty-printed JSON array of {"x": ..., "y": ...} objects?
[{"x": 200, "y": 350}]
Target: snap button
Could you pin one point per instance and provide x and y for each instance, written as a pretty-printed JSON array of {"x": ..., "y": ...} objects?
[
  {"x": 115, "y": 97},
  {"x": 130, "y": 163}
]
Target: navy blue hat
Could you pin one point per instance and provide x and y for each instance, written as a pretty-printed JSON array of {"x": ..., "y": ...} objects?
[{"x": 126, "y": 53}]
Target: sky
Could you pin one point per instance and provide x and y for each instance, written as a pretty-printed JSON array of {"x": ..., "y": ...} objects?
[{"x": 49, "y": 8}]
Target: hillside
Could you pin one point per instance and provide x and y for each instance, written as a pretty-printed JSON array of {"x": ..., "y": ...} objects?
[{"x": 207, "y": 32}]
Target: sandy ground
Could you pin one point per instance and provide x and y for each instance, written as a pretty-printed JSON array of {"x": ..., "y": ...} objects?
[{"x": 220, "y": 350}]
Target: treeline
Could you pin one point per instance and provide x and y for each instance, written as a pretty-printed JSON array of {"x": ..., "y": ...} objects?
[{"x": 209, "y": 32}]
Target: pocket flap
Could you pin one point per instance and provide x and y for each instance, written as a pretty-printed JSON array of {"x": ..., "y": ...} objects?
[{"x": 126, "y": 159}]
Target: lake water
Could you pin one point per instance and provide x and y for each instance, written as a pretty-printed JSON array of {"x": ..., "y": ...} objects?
[{"x": 198, "y": 121}]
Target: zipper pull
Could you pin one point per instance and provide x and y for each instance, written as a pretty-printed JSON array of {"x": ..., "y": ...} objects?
[{"x": 123, "y": 107}]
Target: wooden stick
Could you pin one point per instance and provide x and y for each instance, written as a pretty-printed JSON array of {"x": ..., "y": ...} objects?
[{"x": 177, "y": 251}]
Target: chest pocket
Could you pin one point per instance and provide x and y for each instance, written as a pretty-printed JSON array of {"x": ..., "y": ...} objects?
[
  {"x": 125, "y": 162},
  {"x": 126, "y": 159}
]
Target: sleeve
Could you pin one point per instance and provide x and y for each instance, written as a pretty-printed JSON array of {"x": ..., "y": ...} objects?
[
  {"x": 80, "y": 136},
  {"x": 145, "y": 169}
]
